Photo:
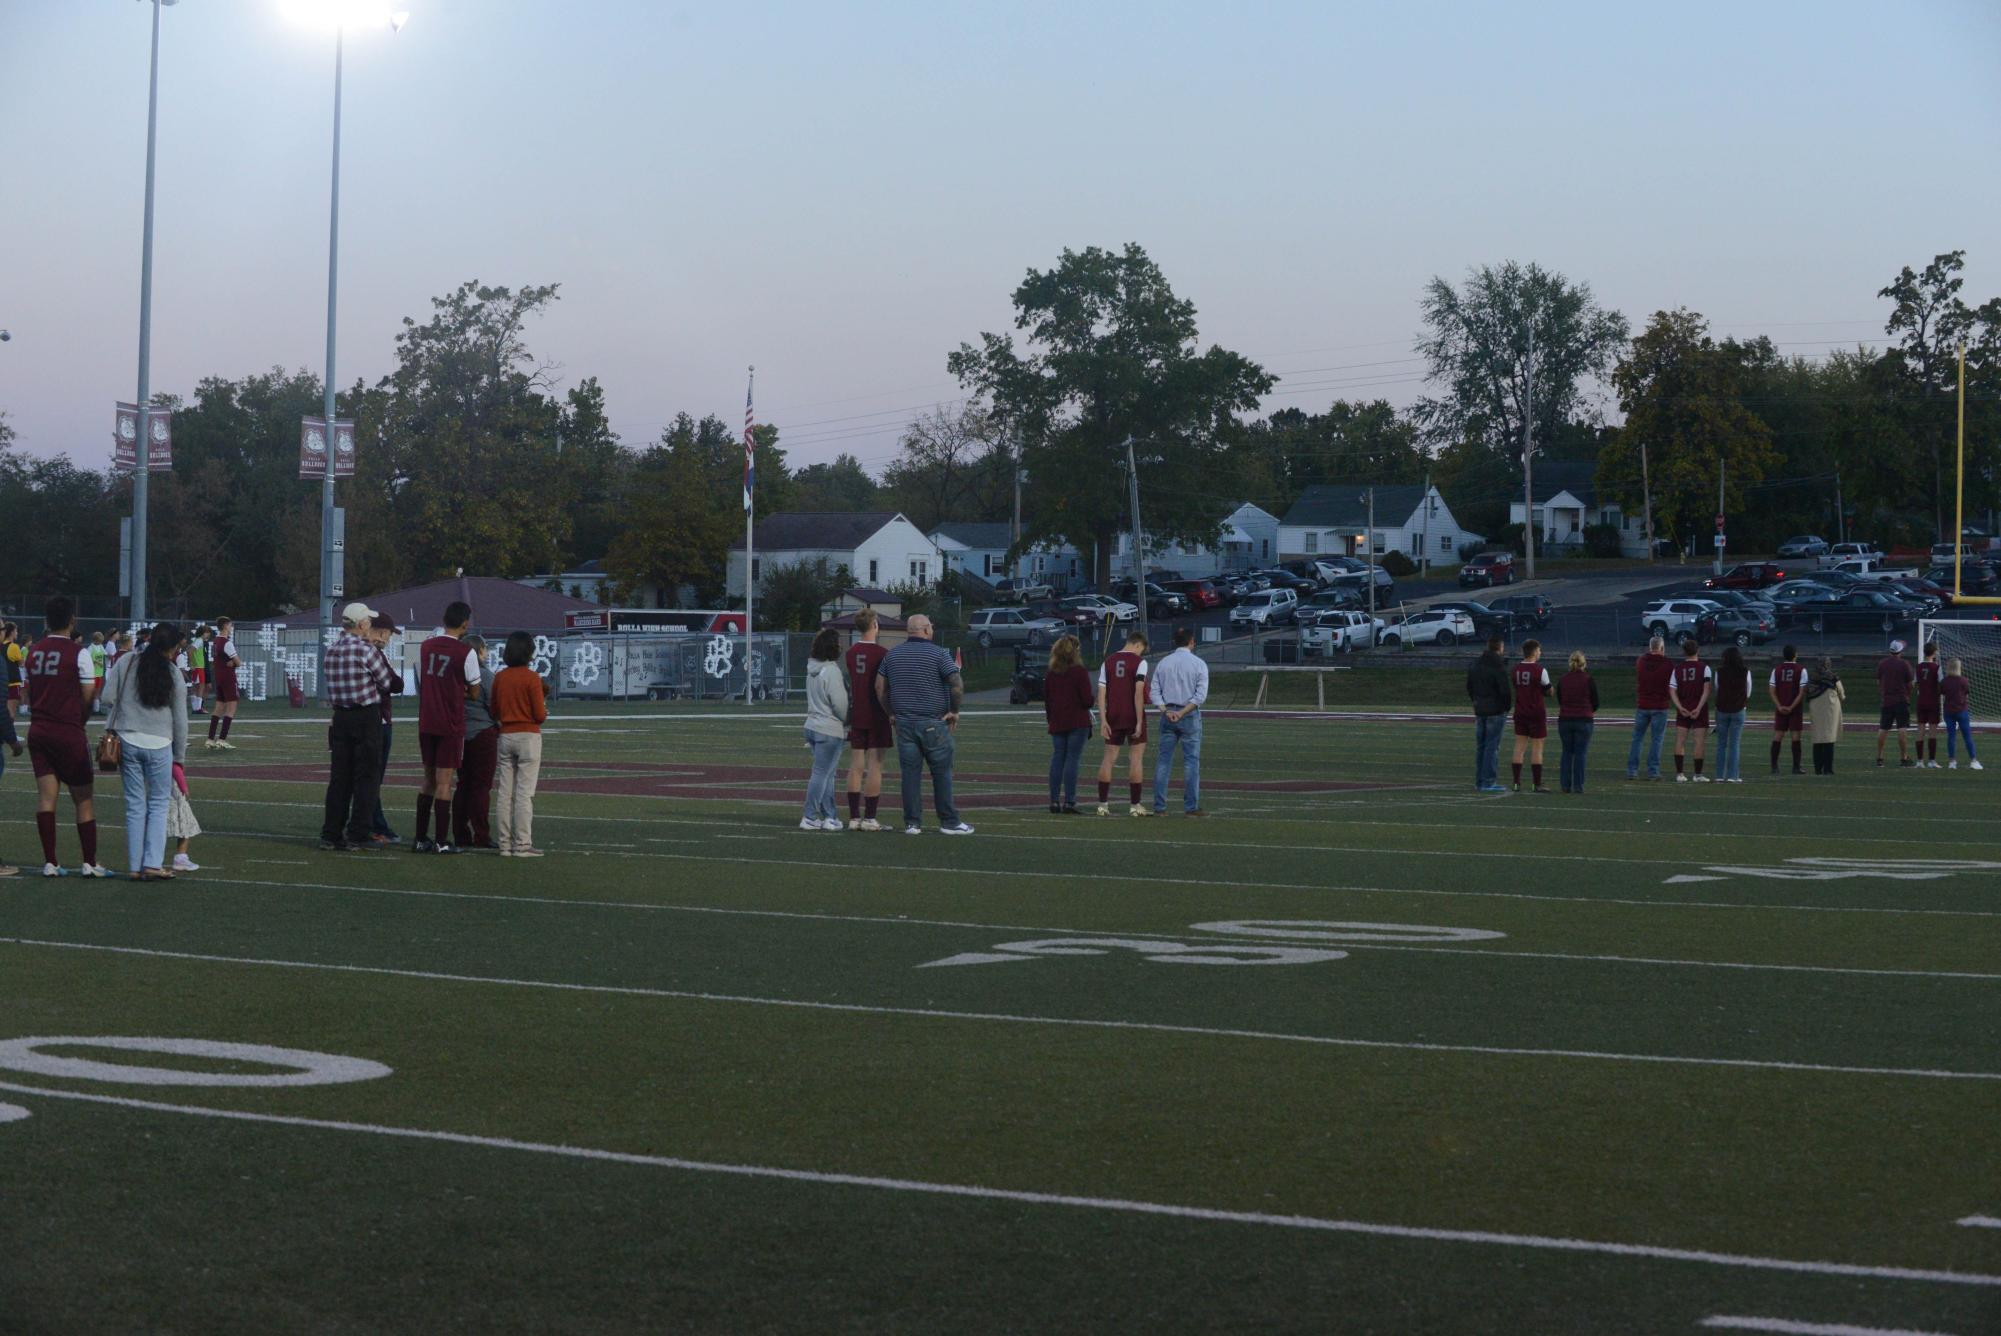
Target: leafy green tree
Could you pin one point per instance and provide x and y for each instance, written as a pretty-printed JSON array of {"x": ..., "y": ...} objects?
[
  {"x": 1349, "y": 443},
  {"x": 1682, "y": 396},
  {"x": 841, "y": 485},
  {"x": 599, "y": 469},
  {"x": 790, "y": 597},
  {"x": 1477, "y": 342},
  {"x": 1111, "y": 359},
  {"x": 1931, "y": 321},
  {"x": 952, "y": 464}
]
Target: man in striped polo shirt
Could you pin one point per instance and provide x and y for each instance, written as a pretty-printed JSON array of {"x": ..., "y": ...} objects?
[{"x": 920, "y": 689}]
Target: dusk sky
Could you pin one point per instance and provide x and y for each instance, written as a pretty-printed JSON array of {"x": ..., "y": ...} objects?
[{"x": 841, "y": 194}]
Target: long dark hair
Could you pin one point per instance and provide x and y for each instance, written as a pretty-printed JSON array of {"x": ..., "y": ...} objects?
[
  {"x": 155, "y": 670},
  {"x": 827, "y": 645},
  {"x": 1733, "y": 660}
]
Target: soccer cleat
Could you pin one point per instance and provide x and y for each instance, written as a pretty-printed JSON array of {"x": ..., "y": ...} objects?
[
  {"x": 870, "y": 823},
  {"x": 182, "y": 863},
  {"x": 208, "y": 744},
  {"x": 1952, "y": 765},
  {"x": 1104, "y": 809},
  {"x": 913, "y": 830},
  {"x": 1138, "y": 810},
  {"x": 1517, "y": 786},
  {"x": 424, "y": 845},
  {"x": 224, "y": 744},
  {"x": 445, "y": 849},
  {"x": 92, "y": 870},
  {"x": 1680, "y": 778},
  {"x": 1974, "y": 765},
  {"x": 1879, "y": 763},
  {"x": 54, "y": 870},
  {"x": 956, "y": 828},
  {"x": 1701, "y": 779}
]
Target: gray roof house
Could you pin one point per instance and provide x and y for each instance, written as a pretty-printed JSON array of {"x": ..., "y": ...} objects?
[{"x": 1334, "y": 518}]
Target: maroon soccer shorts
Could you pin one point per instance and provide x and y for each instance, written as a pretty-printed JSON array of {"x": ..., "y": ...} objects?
[
  {"x": 1129, "y": 736},
  {"x": 64, "y": 753},
  {"x": 872, "y": 737},
  {"x": 1532, "y": 726},
  {"x": 442, "y": 751},
  {"x": 1789, "y": 721},
  {"x": 1699, "y": 721},
  {"x": 1928, "y": 714},
  {"x": 226, "y": 689}
]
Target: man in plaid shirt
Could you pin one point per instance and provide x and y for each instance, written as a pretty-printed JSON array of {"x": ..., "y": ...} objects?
[{"x": 357, "y": 677}]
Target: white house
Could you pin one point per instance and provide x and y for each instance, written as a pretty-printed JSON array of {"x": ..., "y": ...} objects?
[
  {"x": 586, "y": 579},
  {"x": 879, "y": 547},
  {"x": 974, "y": 547},
  {"x": 1567, "y": 503},
  {"x": 1410, "y": 519},
  {"x": 1249, "y": 539}
]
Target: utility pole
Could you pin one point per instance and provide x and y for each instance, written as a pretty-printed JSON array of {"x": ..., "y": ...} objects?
[
  {"x": 1528, "y": 458},
  {"x": 1840, "y": 512},
  {"x": 1138, "y": 535},
  {"x": 1372, "y": 564},
  {"x": 1014, "y": 537},
  {"x": 1719, "y": 514},
  {"x": 1647, "y": 501}
]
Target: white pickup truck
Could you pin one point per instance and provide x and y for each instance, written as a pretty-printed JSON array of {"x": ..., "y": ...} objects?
[
  {"x": 1872, "y": 568},
  {"x": 1841, "y": 552}
]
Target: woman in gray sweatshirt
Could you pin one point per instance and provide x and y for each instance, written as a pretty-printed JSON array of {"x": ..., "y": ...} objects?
[
  {"x": 826, "y": 729},
  {"x": 145, "y": 704}
]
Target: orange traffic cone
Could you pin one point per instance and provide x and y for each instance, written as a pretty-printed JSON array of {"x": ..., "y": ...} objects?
[{"x": 959, "y": 658}]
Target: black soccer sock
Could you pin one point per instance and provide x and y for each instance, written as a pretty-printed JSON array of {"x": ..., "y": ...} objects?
[
  {"x": 1518, "y": 774},
  {"x": 423, "y": 815},
  {"x": 855, "y": 805},
  {"x": 227, "y": 720},
  {"x": 45, "y": 826},
  {"x": 1135, "y": 790},
  {"x": 214, "y": 722},
  {"x": 86, "y": 834},
  {"x": 1679, "y": 762},
  {"x": 1775, "y": 753},
  {"x": 870, "y": 804},
  {"x": 444, "y": 806},
  {"x": 1796, "y": 753},
  {"x": 1104, "y": 790},
  {"x": 1698, "y": 765},
  {"x": 1933, "y": 744},
  {"x": 1535, "y": 772}
]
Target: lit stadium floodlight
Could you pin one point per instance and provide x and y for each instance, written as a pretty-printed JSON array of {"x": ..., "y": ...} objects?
[{"x": 344, "y": 14}]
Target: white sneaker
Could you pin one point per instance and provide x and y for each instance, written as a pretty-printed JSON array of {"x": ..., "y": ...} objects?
[
  {"x": 810, "y": 823},
  {"x": 1104, "y": 809},
  {"x": 54, "y": 870},
  {"x": 959, "y": 829},
  {"x": 224, "y": 744},
  {"x": 869, "y": 823},
  {"x": 913, "y": 830},
  {"x": 92, "y": 870},
  {"x": 1680, "y": 778},
  {"x": 208, "y": 744},
  {"x": 832, "y": 823},
  {"x": 1974, "y": 765},
  {"x": 182, "y": 863},
  {"x": 1702, "y": 779},
  {"x": 1952, "y": 764},
  {"x": 1139, "y": 810}
]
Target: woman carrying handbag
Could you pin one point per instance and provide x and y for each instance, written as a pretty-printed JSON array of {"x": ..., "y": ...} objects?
[{"x": 145, "y": 737}]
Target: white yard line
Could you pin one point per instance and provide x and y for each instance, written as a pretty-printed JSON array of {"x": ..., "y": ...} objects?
[
  {"x": 1111, "y": 1204},
  {"x": 1980, "y": 1221},
  {"x": 1788, "y": 1327},
  {"x": 1005, "y": 1018}
]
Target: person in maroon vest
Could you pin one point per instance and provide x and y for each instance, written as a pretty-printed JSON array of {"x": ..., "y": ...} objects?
[
  {"x": 1787, "y": 685},
  {"x": 1733, "y": 701},
  {"x": 1651, "y": 674},
  {"x": 223, "y": 663},
  {"x": 1928, "y": 708},
  {"x": 61, "y": 683},
  {"x": 447, "y": 676},
  {"x": 1122, "y": 701},
  {"x": 1576, "y": 709}
]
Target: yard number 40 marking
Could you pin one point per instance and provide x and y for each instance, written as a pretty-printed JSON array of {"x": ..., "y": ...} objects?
[{"x": 1167, "y": 952}]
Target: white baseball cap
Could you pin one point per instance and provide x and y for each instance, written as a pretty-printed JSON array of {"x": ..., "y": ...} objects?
[
  {"x": 1896, "y": 647},
  {"x": 354, "y": 614}
]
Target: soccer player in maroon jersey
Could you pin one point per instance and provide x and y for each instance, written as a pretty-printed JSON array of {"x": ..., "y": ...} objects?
[
  {"x": 447, "y": 673},
  {"x": 1894, "y": 678},
  {"x": 1786, "y": 684},
  {"x": 222, "y": 665},
  {"x": 1122, "y": 721},
  {"x": 62, "y": 682},
  {"x": 1531, "y": 683},
  {"x": 1928, "y": 708},
  {"x": 869, "y": 731},
  {"x": 1690, "y": 691}
]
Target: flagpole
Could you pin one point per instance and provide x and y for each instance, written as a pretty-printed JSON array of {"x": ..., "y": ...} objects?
[{"x": 749, "y": 535}]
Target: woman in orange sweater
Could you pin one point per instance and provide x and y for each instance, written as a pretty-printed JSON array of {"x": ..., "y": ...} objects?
[{"x": 519, "y": 709}]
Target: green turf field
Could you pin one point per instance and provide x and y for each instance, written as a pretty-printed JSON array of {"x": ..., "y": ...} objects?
[{"x": 1362, "y": 1052}]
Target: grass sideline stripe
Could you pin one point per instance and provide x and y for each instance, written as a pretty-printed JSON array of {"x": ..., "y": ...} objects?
[
  {"x": 1788, "y": 1327},
  {"x": 1212, "y": 937},
  {"x": 1005, "y": 1018},
  {"x": 1418, "y": 1233}
]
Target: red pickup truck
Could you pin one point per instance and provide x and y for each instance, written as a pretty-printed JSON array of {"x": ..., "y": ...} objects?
[{"x": 1747, "y": 575}]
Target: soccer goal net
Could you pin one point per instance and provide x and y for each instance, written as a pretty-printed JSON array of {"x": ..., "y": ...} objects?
[{"x": 1977, "y": 646}]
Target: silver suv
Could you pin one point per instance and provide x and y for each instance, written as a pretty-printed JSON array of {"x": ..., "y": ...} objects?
[
  {"x": 1267, "y": 607},
  {"x": 1009, "y": 626},
  {"x": 1672, "y": 618}
]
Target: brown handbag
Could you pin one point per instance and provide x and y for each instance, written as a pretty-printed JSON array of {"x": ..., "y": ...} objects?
[{"x": 108, "y": 751}]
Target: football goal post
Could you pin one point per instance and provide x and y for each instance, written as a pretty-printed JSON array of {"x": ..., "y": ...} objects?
[{"x": 1977, "y": 646}]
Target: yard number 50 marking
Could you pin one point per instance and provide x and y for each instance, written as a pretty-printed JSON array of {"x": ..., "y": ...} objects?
[{"x": 1167, "y": 952}]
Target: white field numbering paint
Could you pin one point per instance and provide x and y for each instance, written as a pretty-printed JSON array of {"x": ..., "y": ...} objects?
[
  {"x": 1843, "y": 869},
  {"x": 1980, "y": 1221},
  {"x": 304, "y": 1068},
  {"x": 1789, "y": 1327},
  {"x": 1169, "y": 952},
  {"x": 12, "y": 1113}
]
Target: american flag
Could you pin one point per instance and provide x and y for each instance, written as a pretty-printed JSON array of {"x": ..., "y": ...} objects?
[{"x": 749, "y": 447}]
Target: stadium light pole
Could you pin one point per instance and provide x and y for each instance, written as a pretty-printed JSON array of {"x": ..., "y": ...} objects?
[
  {"x": 140, "y": 462},
  {"x": 340, "y": 15}
]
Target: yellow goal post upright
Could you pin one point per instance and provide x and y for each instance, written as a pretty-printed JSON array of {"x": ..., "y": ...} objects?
[{"x": 1959, "y": 501}]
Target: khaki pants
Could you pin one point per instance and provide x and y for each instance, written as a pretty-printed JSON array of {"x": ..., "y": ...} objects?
[{"x": 517, "y": 766}]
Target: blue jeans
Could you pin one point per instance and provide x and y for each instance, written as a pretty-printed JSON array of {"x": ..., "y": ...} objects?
[
  {"x": 1066, "y": 752},
  {"x": 1960, "y": 722},
  {"x": 1187, "y": 731},
  {"x": 148, "y": 775},
  {"x": 1729, "y": 743},
  {"x": 826, "y": 769},
  {"x": 1575, "y": 735},
  {"x": 921, "y": 743},
  {"x": 1487, "y": 730},
  {"x": 1643, "y": 721}
]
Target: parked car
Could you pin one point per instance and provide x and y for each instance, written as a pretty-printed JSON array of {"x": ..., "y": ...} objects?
[
  {"x": 1976, "y": 578},
  {"x": 1280, "y": 578},
  {"x": 1433, "y": 626},
  {"x": 1359, "y": 581},
  {"x": 1079, "y": 620},
  {"x": 1266, "y": 608},
  {"x": 1007, "y": 626},
  {"x": 1111, "y": 609},
  {"x": 1160, "y": 603},
  {"x": 1330, "y": 568},
  {"x": 1920, "y": 590},
  {"x": 1741, "y": 626},
  {"x": 1312, "y": 609},
  {"x": 1671, "y": 618},
  {"x": 1803, "y": 545},
  {"x": 1873, "y": 568},
  {"x": 1531, "y": 610},
  {"x": 1486, "y": 621},
  {"x": 1857, "y": 610},
  {"x": 1731, "y": 598},
  {"x": 1841, "y": 552},
  {"x": 1748, "y": 575},
  {"x": 1020, "y": 591},
  {"x": 1487, "y": 569},
  {"x": 1788, "y": 595},
  {"x": 1201, "y": 594},
  {"x": 1339, "y": 633}
]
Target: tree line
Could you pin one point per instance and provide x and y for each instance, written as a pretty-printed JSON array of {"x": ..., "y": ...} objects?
[{"x": 470, "y": 457}]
